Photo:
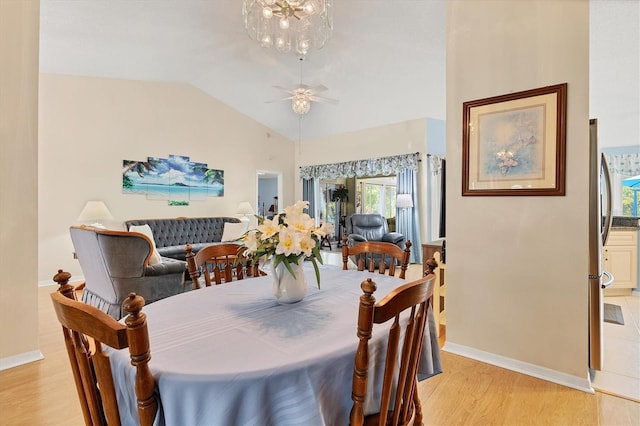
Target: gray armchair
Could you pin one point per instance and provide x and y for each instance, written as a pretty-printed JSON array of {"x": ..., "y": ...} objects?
[
  {"x": 115, "y": 263},
  {"x": 371, "y": 227}
]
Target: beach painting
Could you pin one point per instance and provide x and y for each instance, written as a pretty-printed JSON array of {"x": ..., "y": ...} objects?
[{"x": 176, "y": 179}]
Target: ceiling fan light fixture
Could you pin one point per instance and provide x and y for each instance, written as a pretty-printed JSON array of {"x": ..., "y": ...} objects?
[
  {"x": 305, "y": 24},
  {"x": 300, "y": 104}
]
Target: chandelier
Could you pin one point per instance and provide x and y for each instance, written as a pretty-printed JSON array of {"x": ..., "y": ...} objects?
[{"x": 287, "y": 25}]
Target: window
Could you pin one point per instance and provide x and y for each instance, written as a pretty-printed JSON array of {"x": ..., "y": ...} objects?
[
  {"x": 378, "y": 195},
  {"x": 630, "y": 201}
]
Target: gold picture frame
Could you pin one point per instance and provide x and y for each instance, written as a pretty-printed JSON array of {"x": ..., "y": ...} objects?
[{"x": 515, "y": 144}]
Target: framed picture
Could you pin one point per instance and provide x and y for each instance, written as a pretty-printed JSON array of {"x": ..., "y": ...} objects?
[{"x": 514, "y": 144}]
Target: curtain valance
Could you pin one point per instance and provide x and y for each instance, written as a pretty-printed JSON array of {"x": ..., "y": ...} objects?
[
  {"x": 625, "y": 164},
  {"x": 360, "y": 168}
]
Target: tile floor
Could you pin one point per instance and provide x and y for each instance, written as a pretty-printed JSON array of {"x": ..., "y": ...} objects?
[{"x": 620, "y": 374}]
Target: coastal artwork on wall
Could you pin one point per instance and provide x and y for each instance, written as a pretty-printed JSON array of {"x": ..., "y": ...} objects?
[{"x": 176, "y": 179}]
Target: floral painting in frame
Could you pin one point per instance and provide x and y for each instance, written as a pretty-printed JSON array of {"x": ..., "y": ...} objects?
[{"x": 514, "y": 144}]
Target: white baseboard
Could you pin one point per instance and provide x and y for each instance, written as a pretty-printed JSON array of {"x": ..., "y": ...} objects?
[
  {"x": 20, "y": 359},
  {"x": 575, "y": 382}
]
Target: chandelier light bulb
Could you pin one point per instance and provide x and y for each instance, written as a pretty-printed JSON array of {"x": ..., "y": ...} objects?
[
  {"x": 309, "y": 8},
  {"x": 284, "y": 23},
  {"x": 302, "y": 46},
  {"x": 265, "y": 41},
  {"x": 267, "y": 12},
  {"x": 282, "y": 45}
]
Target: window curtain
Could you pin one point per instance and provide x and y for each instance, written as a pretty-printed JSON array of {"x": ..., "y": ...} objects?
[
  {"x": 309, "y": 194},
  {"x": 384, "y": 166},
  {"x": 435, "y": 197},
  {"x": 408, "y": 219},
  {"x": 621, "y": 166}
]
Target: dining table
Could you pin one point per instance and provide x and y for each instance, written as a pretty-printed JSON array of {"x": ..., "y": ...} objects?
[{"x": 230, "y": 354}]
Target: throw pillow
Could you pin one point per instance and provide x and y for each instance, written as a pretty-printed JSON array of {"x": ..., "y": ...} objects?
[
  {"x": 146, "y": 230},
  {"x": 233, "y": 231}
]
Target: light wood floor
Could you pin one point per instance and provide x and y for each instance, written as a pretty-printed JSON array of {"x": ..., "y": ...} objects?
[{"x": 467, "y": 393}]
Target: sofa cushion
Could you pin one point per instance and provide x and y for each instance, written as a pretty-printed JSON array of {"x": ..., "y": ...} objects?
[
  {"x": 179, "y": 252},
  {"x": 233, "y": 231},
  {"x": 146, "y": 230}
]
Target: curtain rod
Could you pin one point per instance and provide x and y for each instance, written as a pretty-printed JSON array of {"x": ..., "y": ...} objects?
[{"x": 417, "y": 153}]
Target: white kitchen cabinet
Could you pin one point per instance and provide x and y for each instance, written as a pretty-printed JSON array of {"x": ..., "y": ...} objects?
[{"x": 621, "y": 259}]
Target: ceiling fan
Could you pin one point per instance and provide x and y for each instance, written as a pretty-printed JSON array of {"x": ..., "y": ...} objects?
[{"x": 302, "y": 95}]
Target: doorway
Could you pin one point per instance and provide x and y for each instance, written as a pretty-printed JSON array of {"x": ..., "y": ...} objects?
[{"x": 269, "y": 193}]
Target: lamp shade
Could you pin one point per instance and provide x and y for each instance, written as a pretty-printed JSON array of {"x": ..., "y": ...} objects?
[
  {"x": 95, "y": 211},
  {"x": 244, "y": 208},
  {"x": 404, "y": 201}
]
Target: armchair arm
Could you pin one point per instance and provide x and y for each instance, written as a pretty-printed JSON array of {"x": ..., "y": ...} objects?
[
  {"x": 356, "y": 238},
  {"x": 167, "y": 267},
  {"x": 393, "y": 238}
]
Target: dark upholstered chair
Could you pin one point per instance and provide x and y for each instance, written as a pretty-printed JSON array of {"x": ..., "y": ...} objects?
[
  {"x": 116, "y": 263},
  {"x": 371, "y": 227}
]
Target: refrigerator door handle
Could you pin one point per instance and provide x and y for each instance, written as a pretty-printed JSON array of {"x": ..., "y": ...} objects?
[
  {"x": 611, "y": 279},
  {"x": 607, "y": 181}
]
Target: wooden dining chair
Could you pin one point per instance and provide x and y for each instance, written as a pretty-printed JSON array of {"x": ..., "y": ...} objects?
[
  {"x": 377, "y": 255},
  {"x": 399, "y": 402},
  {"x": 219, "y": 263},
  {"x": 86, "y": 331}
]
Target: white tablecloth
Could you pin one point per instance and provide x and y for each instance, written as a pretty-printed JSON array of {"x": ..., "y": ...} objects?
[{"x": 231, "y": 355}]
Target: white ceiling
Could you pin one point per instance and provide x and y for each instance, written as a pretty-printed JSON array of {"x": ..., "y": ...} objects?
[{"x": 385, "y": 62}]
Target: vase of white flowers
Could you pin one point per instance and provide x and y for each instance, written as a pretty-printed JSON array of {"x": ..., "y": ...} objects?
[{"x": 286, "y": 241}]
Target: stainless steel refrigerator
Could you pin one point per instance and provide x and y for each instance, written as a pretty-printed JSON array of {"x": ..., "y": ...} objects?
[{"x": 599, "y": 226}]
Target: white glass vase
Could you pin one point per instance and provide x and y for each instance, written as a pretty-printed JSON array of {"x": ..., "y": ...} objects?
[{"x": 286, "y": 287}]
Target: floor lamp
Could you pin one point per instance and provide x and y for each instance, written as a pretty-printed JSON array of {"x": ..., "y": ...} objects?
[{"x": 404, "y": 202}]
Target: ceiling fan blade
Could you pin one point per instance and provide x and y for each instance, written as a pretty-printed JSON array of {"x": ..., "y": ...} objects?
[
  {"x": 323, "y": 99},
  {"x": 279, "y": 100},
  {"x": 284, "y": 89},
  {"x": 316, "y": 89}
]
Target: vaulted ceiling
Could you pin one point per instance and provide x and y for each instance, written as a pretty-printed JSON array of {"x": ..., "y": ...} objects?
[{"x": 385, "y": 62}]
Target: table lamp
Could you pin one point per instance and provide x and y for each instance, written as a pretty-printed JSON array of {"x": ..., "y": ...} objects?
[
  {"x": 245, "y": 210},
  {"x": 95, "y": 211}
]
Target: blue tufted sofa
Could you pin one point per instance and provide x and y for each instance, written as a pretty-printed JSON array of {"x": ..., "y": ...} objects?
[{"x": 173, "y": 234}]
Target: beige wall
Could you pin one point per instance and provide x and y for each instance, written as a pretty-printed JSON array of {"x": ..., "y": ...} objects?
[
  {"x": 394, "y": 139},
  {"x": 517, "y": 266},
  {"x": 89, "y": 125},
  {"x": 19, "y": 23}
]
